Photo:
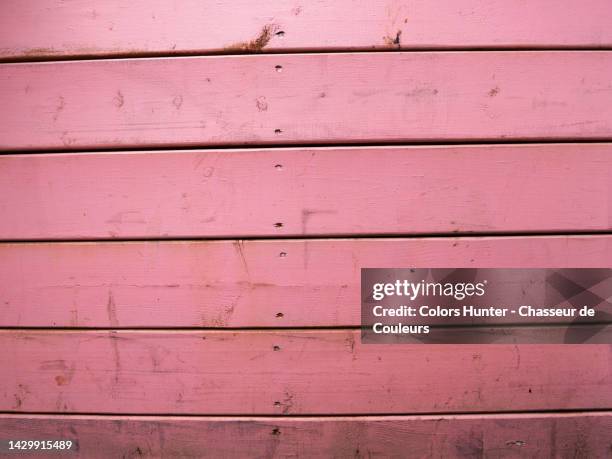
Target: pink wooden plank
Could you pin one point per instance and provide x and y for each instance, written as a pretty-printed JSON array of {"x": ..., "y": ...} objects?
[
  {"x": 501, "y": 436},
  {"x": 292, "y": 192},
  {"x": 290, "y": 372},
  {"x": 57, "y": 28},
  {"x": 366, "y": 97},
  {"x": 287, "y": 283}
]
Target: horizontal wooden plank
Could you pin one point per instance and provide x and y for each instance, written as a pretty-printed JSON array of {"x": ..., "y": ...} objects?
[
  {"x": 56, "y": 28},
  {"x": 534, "y": 435},
  {"x": 314, "y": 98},
  {"x": 265, "y": 283},
  {"x": 290, "y": 372},
  {"x": 293, "y": 192}
]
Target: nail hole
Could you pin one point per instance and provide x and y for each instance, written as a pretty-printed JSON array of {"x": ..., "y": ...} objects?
[
  {"x": 280, "y": 314},
  {"x": 276, "y": 348},
  {"x": 279, "y": 68},
  {"x": 278, "y": 131},
  {"x": 278, "y": 225},
  {"x": 282, "y": 254},
  {"x": 277, "y": 403},
  {"x": 280, "y": 33},
  {"x": 278, "y": 167},
  {"x": 276, "y": 431}
]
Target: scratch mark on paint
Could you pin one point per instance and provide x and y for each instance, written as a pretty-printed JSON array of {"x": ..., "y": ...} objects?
[
  {"x": 238, "y": 245},
  {"x": 111, "y": 309}
]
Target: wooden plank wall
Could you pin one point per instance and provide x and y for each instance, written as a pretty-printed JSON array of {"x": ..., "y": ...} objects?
[{"x": 188, "y": 192}]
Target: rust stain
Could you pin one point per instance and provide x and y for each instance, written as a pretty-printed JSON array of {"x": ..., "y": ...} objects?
[
  {"x": 394, "y": 41},
  {"x": 493, "y": 92},
  {"x": 257, "y": 44},
  {"x": 68, "y": 373}
]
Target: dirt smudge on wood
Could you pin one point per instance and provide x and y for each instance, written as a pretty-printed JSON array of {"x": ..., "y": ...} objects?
[{"x": 257, "y": 44}]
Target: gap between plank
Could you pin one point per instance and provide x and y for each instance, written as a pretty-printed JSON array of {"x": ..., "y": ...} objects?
[
  {"x": 294, "y": 51},
  {"x": 301, "y": 145},
  {"x": 315, "y": 236},
  {"x": 431, "y": 415},
  {"x": 190, "y": 329}
]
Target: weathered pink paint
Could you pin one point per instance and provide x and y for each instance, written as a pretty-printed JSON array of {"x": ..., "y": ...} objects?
[
  {"x": 330, "y": 98},
  {"x": 282, "y": 99},
  {"x": 58, "y": 28},
  {"x": 500, "y": 435},
  {"x": 290, "y": 372},
  {"x": 276, "y": 283},
  {"x": 332, "y": 191}
]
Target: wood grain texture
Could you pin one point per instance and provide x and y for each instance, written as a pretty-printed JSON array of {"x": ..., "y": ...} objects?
[
  {"x": 55, "y": 28},
  {"x": 554, "y": 435},
  {"x": 241, "y": 283},
  {"x": 290, "y": 372},
  {"x": 314, "y": 98},
  {"x": 293, "y": 192}
]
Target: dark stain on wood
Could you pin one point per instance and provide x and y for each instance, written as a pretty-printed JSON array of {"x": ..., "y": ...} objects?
[{"x": 257, "y": 44}]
